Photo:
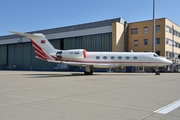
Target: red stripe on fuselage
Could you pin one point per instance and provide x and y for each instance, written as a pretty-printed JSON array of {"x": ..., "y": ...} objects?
[
  {"x": 106, "y": 62},
  {"x": 35, "y": 44},
  {"x": 39, "y": 52},
  {"x": 39, "y": 56}
]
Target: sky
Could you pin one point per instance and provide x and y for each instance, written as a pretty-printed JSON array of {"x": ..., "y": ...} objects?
[{"x": 32, "y": 15}]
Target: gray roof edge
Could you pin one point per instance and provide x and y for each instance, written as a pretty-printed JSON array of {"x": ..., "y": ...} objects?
[{"x": 70, "y": 28}]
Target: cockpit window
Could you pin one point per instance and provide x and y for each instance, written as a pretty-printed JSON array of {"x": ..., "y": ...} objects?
[{"x": 155, "y": 55}]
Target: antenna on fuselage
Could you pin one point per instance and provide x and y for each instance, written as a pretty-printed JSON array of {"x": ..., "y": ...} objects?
[{"x": 131, "y": 50}]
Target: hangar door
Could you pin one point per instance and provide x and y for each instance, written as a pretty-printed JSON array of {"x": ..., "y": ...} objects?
[{"x": 3, "y": 59}]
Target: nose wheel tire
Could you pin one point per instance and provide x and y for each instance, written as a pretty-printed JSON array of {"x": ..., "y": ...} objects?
[{"x": 157, "y": 73}]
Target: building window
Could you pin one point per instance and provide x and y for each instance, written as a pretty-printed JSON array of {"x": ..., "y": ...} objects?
[
  {"x": 105, "y": 57},
  {"x": 97, "y": 57},
  {"x": 127, "y": 57},
  {"x": 112, "y": 57},
  {"x": 178, "y": 34},
  {"x": 135, "y": 58},
  {"x": 135, "y": 42},
  {"x": 157, "y": 40},
  {"x": 134, "y": 31},
  {"x": 167, "y": 29},
  {"x": 167, "y": 41},
  {"x": 175, "y": 32},
  {"x": 145, "y": 41},
  {"x": 158, "y": 52},
  {"x": 157, "y": 28},
  {"x": 167, "y": 54},
  {"x": 176, "y": 55},
  {"x": 176, "y": 44},
  {"x": 119, "y": 57},
  {"x": 145, "y": 29}
]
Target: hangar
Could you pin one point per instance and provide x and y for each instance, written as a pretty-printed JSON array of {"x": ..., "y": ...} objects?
[{"x": 106, "y": 35}]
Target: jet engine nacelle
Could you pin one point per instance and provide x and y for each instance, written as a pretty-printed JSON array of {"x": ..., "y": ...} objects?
[{"x": 72, "y": 54}]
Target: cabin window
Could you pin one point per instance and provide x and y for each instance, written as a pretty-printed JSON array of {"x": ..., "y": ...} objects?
[
  {"x": 105, "y": 57},
  {"x": 97, "y": 57},
  {"x": 119, "y": 57},
  {"x": 135, "y": 58},
  {"x": 112, "y": 57},
  {"x": 127, "y": 57}
]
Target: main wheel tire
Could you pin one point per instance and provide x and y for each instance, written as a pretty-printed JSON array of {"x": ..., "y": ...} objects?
[{"x": 88, "y": 73}]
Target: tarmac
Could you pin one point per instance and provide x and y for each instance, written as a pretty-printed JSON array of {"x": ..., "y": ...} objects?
[{"x": 32, "y": 95}]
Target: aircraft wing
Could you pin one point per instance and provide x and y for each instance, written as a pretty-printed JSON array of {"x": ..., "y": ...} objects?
[{"x": 95, "y": 65}]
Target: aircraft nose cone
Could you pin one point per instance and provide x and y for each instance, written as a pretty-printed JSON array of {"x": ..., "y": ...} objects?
[{"x": 168, "y": 62}]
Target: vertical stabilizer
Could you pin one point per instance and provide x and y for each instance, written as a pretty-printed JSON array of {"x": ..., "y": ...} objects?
[{"x": 42, "y": 47}]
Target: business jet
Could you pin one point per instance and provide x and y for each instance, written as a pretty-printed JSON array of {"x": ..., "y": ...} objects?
[{"x": 90, "y": 60}]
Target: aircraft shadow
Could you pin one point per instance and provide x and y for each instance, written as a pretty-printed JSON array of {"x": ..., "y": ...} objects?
[
  {"x": 56, "y": 75},
  {"x": 81, "y": 74}
]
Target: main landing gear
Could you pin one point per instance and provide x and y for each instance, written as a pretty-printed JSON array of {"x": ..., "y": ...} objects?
[
  {"x": 89, "y": 71},
  {"x": 157, "y": 71}
]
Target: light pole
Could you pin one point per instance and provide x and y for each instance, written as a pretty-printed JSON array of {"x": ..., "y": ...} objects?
[
  {"x": 173, "y": 43},
  {"x": 153, "y": 28},
  {"x": 172, "y": 48}
]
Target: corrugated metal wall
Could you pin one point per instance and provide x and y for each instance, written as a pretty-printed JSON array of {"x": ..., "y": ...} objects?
[
  {"x": 19, "y": 56},
  {"x": 101, "y": 42},
  {"x": 69, "y": 43},
  {"x": 27, "y": 57},
  {"x": 3, "y": 59},
  {"x": 11, "y": 55}
]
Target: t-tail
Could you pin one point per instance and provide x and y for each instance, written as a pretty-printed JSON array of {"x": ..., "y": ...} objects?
[{"x": 42, "y": 47}]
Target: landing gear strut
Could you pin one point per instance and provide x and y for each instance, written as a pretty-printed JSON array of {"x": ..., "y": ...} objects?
[
  {"x": 89, "y": 71},
  {"x": 157, "y": 71}
]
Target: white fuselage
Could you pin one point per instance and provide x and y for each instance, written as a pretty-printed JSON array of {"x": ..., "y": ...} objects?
[{"x": 122, "y": 59}]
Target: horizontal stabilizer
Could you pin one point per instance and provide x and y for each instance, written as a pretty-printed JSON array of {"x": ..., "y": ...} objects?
[{"x": 26, "y": 34}]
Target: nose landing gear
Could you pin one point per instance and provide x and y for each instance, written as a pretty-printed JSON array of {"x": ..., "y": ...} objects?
[{"x": 156, "y": 70}]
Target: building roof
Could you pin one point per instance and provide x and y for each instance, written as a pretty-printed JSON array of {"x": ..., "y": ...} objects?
[{"x": 70, "y": 28}]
